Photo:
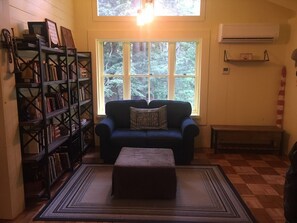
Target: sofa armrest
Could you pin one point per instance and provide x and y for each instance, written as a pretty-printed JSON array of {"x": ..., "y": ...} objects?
[
  {"x": 189, "y": 128},
  {"x": 104, "y": 128}
]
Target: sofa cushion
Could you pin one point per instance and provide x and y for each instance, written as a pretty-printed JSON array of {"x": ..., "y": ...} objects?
[
  {"x": 154, "y": 118},
  {"x": 127, "y": 137},
  {"x": 164, "y": 138},
  {"x": 177, "y": 111},
  {"x": 119, "y": 111}
]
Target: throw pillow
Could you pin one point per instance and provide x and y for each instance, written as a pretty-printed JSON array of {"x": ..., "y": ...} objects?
[{"x": 154, "y": 118}]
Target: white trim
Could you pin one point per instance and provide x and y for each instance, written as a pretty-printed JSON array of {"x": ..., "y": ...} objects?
[
  {"x": 126, "y": 82},
  {"x": 203, "y": 36},
  {"x": 171, "y": 69},
  {"x": 99, "y": 79}
]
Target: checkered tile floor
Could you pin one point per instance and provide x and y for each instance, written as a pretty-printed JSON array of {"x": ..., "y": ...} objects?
[{"x": 259, "y": 179}]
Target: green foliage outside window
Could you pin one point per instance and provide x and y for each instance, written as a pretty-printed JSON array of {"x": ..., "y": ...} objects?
[
  {"x": 149, "y": 70},
  {"x": 161, "y": 7}
]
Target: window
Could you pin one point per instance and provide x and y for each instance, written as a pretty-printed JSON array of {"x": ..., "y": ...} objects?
[
  {"x": 110, "y": 8},
  {"x": 177, "y": 8},
  {"x": 150, "y": 70},
  {"x": 118, "y": 8}
]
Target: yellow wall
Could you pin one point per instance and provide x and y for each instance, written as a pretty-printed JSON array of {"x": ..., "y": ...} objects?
[
  {"x": 248, "y": 94},
  {"x": 16, "y": 13}
]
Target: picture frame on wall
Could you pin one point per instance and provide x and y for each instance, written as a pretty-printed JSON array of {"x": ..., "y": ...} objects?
[
  {"x": 54, "y": 41},
  {"x": 67, "y": 39}
]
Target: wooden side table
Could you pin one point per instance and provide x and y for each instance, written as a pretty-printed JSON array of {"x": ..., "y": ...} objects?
[{"x": 241, "y": 137}]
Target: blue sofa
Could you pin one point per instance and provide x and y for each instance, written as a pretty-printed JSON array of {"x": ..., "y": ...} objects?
[{"x": 115, "y": 131}]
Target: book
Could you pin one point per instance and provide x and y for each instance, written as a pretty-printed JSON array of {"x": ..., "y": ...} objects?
[
  {"x": 58, "y": 165},
  {"x": 83, "y": 72},
  {"x": 65, "y": 161},
  {"x": 29, "y": 73}
]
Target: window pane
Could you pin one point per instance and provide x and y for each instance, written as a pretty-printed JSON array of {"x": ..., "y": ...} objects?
[
  {"x": 139, "y": 58},
  {"x": 139, "y": 88},
  {"x": 185, "y": 58},
  {"x": 113, "y": 57},
  {"x": 113, "y": 88},
  {"x": 177, "y": 7},
  {"x": 117, "y": 8},
  {"x": 185, "y": 89},
  {"x": 159, "y": 58},
  {"x": 158, "y": 88}
]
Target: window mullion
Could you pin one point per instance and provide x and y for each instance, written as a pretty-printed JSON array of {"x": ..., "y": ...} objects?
[
  {"x": 197, "y": 80},
  {"x": 171, "y": 69},
  {"x": 149, "y": 71},
  {"x": 126, "y": 67},
  {"x": 100, "y": 80}
]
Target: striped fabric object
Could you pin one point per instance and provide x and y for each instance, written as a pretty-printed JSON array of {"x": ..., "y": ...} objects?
[
  {"x": 154, "y": 118},
  {"x": 281, "y": 99}
]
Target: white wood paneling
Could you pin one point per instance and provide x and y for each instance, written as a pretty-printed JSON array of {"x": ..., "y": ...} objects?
[
  {"x": 22, "y": 11},
  {"x": 12, "y": 200}
]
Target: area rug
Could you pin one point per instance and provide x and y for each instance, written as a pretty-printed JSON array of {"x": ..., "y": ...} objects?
[{"x": 204, "y": 194}]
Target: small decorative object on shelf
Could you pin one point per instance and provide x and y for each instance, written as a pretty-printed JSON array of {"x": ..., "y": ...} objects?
[{"x": 246, "y": 57}]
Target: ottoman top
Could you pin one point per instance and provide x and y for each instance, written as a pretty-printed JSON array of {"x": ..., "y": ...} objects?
[{"x": 145, "y": 157}]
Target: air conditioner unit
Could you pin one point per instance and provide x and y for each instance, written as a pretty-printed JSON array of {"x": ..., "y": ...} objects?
[{"x": 248, "y": 33}]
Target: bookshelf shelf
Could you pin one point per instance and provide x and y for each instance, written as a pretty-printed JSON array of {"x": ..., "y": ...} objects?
[{"x": 54, "y": 97}]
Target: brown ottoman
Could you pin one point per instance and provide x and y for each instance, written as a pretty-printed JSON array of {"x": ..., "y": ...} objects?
[{"x": 144, "y": 173}]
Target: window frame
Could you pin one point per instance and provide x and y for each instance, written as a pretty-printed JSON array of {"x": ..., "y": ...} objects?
[
  {"x": 156, "y": 19},
  {"x": 202, "y": 35},
  {"x": 126, "y": 76}
]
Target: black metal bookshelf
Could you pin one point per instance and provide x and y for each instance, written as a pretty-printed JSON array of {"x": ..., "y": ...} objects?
[{"x": 55, "y": 107}]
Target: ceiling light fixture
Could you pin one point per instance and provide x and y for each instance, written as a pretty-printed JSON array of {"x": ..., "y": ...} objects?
[{"x": 146, "y": 15}]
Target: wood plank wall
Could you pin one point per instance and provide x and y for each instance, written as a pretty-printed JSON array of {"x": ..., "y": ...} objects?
[{"x": 59, "y": 11}]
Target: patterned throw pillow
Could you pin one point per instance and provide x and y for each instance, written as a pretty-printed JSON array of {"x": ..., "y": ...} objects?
[{"x": 153, "y": 118}]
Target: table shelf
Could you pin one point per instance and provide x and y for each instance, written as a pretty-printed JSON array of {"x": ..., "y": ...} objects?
[{"x": 238, "y": 137}]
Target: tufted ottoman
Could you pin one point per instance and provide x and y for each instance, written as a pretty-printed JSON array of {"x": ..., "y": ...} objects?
[{"x": 144, "y": 173}]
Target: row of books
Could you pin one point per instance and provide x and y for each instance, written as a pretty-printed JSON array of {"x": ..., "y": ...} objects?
[
  {"x": 31, "y": 107},
  {"x": 57, "y": 164},
  {"x": 54, "y": 72},
  {"x": 34, "y": 141},
  {"x": 83, "y": 93},
  {"x": 73, "y": 96},
  {"x": 83, "y": 72},
  {"x": 72, "y": 71},
  {"x": 35, "y": 179},
  {"x": 30, "y": 72},
  {"x": 56, "y": 101}
]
